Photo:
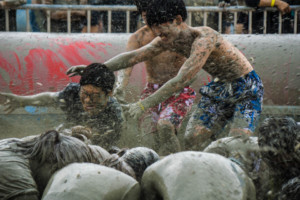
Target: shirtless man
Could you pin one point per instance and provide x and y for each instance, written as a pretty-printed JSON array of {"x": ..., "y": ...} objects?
[
  {"x": 168, "y": 115},
  {"x": 236, "y": 92}
]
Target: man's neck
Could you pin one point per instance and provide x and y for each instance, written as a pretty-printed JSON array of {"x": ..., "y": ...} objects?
[{"x": 185, "y": 40}]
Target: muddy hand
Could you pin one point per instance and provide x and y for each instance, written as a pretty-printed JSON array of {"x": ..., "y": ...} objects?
[
  {"x": 132, "y": 111},
  {"x": 76, "y": 70},
  {"x": 283, "y": 7},
  {"x": 11, "y": 102},
  {"x": 81, "y": 130},
  {"x": 119, "y": 94}
]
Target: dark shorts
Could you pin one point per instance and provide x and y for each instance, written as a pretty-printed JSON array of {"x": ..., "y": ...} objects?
[
  {"x": 239, "y": 100},
  {"x": 173, "y": 109}
]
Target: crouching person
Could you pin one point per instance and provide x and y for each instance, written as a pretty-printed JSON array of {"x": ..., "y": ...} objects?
[{"x": 88, "y": 103}]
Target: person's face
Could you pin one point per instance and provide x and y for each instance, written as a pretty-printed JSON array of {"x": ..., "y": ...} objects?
[
  {"x": 93, "y": 99},
  {"x": 167, "y": 31}
]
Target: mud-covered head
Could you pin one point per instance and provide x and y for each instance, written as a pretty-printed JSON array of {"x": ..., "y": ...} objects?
[
  {"x": 115, "y": 161},
  {"x": 279, "y": 138},
  {"x": 132, "y": 161},
  {"x": 96, "y": 85},
  {"x": 139, "y": 159},
  {"x": 142, "y": 5},
  {"x": 279, "y": 133},
  {"x": 98, "y": 75},
  {"x": 52, "y": 151},
  {"x": 290, "y": 190},
  {"x": 161, "y": 11}
]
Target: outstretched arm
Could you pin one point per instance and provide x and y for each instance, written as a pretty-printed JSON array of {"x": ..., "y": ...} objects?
[
  {"x": 124, "y": 75},
  {"x": 130, "y": 58},
  {"x": 200, "y": 51},
  {"x": 126, "y": 59},
  {"x": 282, "y": 6},
  {"x": 16, "y": 101}
]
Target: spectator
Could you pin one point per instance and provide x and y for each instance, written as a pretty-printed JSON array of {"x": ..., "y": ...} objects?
[
  {"x": 11, "y": 13},
  {"x": 228, "y": 18},
  {"x": 37, "y": 18},
  {"x": 96, "y": 18},
  {"x": 272, "y": 17},
  {"x": 197, "y": 17},
  {"x": 59, "y": 17},
  {"x": 118, "y": 23}
]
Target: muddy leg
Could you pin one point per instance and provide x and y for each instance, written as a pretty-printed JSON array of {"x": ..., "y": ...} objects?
[{"x": 168, "y": 140}]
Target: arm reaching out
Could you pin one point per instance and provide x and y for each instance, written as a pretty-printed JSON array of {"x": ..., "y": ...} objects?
[
  {"x": 124, "y": 75},
  {"x": 76, "y": 70},
  {"x": 185, "y": 76},
  {"x": 130, "y": 58},
  {"x": 15, "y": 101}
]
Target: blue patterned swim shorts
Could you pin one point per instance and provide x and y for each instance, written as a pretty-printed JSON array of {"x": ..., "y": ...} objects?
[{"x": 239, "y": 101}]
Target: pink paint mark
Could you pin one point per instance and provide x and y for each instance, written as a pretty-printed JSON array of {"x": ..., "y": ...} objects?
[
  {"x": 77, "y": 52},
  {"x": 44, "y": 69},
  {"x": 208, "y": 78}
]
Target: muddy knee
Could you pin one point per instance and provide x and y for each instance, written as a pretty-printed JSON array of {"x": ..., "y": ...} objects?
[
  {"x": 165, "y": 128},
  {"x": 197, "y": 137}
]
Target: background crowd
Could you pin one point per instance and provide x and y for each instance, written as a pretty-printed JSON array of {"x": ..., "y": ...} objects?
[{"x": 99, "y": 19}]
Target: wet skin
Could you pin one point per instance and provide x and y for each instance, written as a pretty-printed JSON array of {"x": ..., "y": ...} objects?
[
  {"x": 202, "y": 46},
  {"x": 93, "y": 99},
  {"x": 160, "y": 69}
]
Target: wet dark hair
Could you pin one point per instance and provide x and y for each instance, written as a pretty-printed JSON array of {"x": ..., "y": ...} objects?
[
  {"x": 59, "y": 150},
  {"x": 142, "y": 5},
  {"x": 132, "y": 161},
  {"x": 290, "y": 190},
  {"x": 139, "y": 159},
  {"x": 99, "y": 75},
  {"x": 161, "y": 11},
  {"x": 279, "y": 133},
  {"x": 278, "y": 139}
]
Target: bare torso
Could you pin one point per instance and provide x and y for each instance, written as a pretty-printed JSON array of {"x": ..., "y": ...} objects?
[
  {"x": 224, "y": 62},
  {"x": 162, "y": 67}
]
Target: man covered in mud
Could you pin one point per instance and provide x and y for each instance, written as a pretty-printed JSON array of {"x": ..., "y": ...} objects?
[
  {"x": 169, "y": 114},
  {"x": 236, "y": 92},
  {"x": 88, "y": 103}
]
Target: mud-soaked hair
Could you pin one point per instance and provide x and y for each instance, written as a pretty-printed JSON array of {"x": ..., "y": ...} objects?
[
  {"x": 279, "y": 133},
  {"x": 115, "y": 161},
  {"x": 58, "y": 150},
  {"x": 138, "y": 159},
  {"x": 142, "y": 5},
  {"x": 161, "y": 11},
  {"x": 279, "y": 139},
  {"x": 99, "y": 75},
  {"x": 290, "y": 190}
]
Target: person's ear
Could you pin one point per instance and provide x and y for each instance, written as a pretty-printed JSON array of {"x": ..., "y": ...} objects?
[
  {"x": 110, "y": 94},
  {"x": 178, "y": 19}
]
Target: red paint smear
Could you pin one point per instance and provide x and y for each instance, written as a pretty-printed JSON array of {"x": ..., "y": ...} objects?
[
  {"x": 77, "y": 52},
  {"x": 45, "y": 69},
  {"x": 15, "y": 74}
]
